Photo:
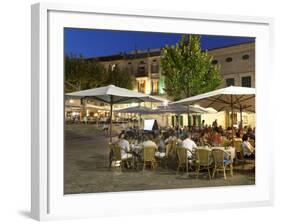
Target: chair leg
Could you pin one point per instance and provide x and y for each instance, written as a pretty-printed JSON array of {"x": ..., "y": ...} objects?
[
  {"x": 215, "y": 168},
  {"x": 197, "y": 173},
  {"x": 231, "y": 170},
  {"x": 178, "y": 169},
  {"x": 209, "y": 173},
  {"x": 143, "y": 166},
  {"x": 224, "y": 172}
]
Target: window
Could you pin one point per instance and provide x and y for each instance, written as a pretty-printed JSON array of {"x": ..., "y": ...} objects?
[
  {"x": 246, "y": 81},
  {"x": 141, "y": 86},
  {"x": 230, "y": 82},
  {"x": 154, "y": 68},
  {"x": 214, "y": 62},
  {"x": 245, "y": 57},
  {"x": 141, "y": 70},
  {"x": 154, "y": 86},
  {"x": 229, "y": 59}
]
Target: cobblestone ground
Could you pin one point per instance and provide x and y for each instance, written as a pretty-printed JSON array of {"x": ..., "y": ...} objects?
[{"x": 86, "y": 168}]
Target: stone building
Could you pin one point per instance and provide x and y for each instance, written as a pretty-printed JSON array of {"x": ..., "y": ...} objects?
[{"x": 237, "y": 68}]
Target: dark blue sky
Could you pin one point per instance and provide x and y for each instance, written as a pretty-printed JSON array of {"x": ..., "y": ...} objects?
[{"x": 92, "y": 43}]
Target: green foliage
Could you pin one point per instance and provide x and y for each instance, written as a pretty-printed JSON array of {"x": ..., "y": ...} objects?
[
  {"x": 120, "y": 77},
  {"x": 188, "y": 71},
  {"x": 81, "y": 74}
]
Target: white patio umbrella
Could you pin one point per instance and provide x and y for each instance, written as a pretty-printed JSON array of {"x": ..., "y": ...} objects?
[
  {"x": 135, "y": 110},
  {"x": 112, "y": 95},
  {"x": 179, "y": 109},
  {"x": 226, "y": 99}
]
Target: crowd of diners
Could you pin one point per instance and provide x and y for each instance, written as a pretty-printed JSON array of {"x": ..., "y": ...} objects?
[{"x": 187, "y": 137}]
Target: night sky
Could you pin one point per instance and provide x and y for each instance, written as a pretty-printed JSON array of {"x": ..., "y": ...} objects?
[{"x": 94, "y": 43}]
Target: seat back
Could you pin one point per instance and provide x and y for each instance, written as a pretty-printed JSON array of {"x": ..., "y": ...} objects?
[
  {"x": 173, "y": 145},
  {"x": 218, "y": 156},
  {"x": 238, "y": 145},
  {"x": 116, "y": 149},
  {"x": 149, "y": 154},
  {"x": 252, "y": 142},
  {"x": 203, "y": 156},
  {"x": 182, "y": 155}
]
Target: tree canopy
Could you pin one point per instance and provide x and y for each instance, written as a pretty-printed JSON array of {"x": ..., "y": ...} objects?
[
  {"x": 81, "y": 74},
  {"x": 187, "y": 69}
]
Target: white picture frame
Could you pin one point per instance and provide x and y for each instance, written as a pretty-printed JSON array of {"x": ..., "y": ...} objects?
[{"x": 48, "y": 201}]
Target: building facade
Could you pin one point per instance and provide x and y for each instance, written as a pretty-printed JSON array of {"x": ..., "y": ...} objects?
[{"x": 236, "y": 65}]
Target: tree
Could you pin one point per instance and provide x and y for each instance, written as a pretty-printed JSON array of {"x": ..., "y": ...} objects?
[
  {"x": 120, "y": 78},
  {"x": 188, "y": 70},
  {"x": 81, "y": 73}
]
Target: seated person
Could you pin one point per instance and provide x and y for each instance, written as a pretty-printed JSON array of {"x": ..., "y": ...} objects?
[
  {"x": 188, "y": 143},
  {"x": 125, "y": 147},
  {"x": 248, "y": 149},
  {"x": 216, "y": 139},
  {"x": 161, "y": 148},
  {"x": 149, "y": 143}
]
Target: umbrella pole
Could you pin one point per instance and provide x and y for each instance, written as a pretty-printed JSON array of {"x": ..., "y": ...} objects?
[
  {"x": 110, "y": 127},
  {"x": 188, "y": 114},
  {"x": 232, "y": 119},
  {"x": 241, "y": 121}
]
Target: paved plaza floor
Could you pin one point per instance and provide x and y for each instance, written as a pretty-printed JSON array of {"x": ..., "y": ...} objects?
[{"x": 86, "y": 168}]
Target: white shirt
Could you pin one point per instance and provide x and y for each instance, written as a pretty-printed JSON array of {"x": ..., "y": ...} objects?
[
  {"x": 149, "y": 143},
  {"x": 248, "y": 149},
  {"x": 189, "y": 144},
  {"x": 125, "y": 147}
]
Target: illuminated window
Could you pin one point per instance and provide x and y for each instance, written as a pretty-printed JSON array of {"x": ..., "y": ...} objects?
[
  {"x": 141, "y": 86},
  {"x": 154, "y": 86}
]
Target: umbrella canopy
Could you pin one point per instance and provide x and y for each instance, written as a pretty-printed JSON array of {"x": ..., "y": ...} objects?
[
  {"x": 135, "y": 110},
  {"x": 179, "y": 109},
  {"x": 112, "y": 95},
  {"x": 226, "y": 99}
]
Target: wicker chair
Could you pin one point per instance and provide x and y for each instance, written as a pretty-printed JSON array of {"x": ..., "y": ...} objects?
[
  {"x": 116, "y": 156},
  {"x": 203, "y": 160},
  {"x": 221, "y": 163},
  {"x": 182, "y": 158},
  {"x": 165, "y": 158},
  {"x": 252, "y": 142},
  {"x": 239, "y": 151},
  {"x": 149, "y": 157}
]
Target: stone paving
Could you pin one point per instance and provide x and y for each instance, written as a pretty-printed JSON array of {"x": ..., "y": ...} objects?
[{"x": 86, "y": 168}]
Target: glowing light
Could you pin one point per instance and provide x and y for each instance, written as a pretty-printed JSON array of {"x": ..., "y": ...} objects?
[
  {"x": 165, "y": 103},
  {"x": 70, "y": 101}
]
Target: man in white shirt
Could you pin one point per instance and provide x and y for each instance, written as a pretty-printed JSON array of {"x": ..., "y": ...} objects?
[
  {"x": 248, "y": 149},
  {"x": 188, "y": 143},
  {"x": 125, "y": 147}
]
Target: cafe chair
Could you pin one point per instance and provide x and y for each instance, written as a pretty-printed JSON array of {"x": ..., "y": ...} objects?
[
  {"x": 116, "y": 157},
  {"x": 163, "y": 157},
  {"x": 182, "y": 158},
  {"x": 252, "y": 142},
  {"x": 203, "y": 160},
  {"x": 239, "y": 151},
  {"x": 149, "y": 157},
  {"x": 222, "y": 162}
]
